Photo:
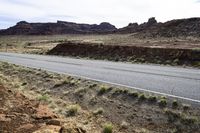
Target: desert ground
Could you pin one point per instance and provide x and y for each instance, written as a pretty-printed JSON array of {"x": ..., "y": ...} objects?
[
  {"x": 33, "y": 100},
  {"x": 183, "y": 51},
  {"x": 40, "y": 44}
]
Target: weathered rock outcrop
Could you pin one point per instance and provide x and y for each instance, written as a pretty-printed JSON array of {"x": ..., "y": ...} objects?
[
  {"x": 173, "y": 28},
  {"x": 61, "y": 27}
]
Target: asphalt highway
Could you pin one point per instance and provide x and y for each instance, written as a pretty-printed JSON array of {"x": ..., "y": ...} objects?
[{"x": 183, "y": 83}]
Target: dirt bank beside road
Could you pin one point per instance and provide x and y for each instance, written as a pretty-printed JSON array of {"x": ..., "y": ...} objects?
[{"x": 129, "y": 53}]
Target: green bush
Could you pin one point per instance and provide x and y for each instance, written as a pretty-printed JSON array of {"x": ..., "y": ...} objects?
[
  {"x": 72, "y": 110},
  {"x": 142, "y": 97},
  {"x": 152, "y": 98},
  {"x": 43, "y": 98},
  {"x": 188, "y": 120},
  {"x": 108, "y": 128},
  {"x": 162, "y": 103},
  {"x": 134, "y": 94},
  {"x": 103, "y": 89},
  {"x": 174, "y": 104},
  {"x": 186, "y": 107},
  {"x": 98, "y": 111}
]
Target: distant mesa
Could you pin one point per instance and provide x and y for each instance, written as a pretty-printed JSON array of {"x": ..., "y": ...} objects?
[
  {"x": 61, "y": 27},
  {"x": 151, "y": 28}
]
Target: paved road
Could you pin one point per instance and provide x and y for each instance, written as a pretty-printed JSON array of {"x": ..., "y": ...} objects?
[{"x": 173, "y": 81}]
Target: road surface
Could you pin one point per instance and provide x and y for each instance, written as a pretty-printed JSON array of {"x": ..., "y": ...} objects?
[{"x": 172, "y": 81}]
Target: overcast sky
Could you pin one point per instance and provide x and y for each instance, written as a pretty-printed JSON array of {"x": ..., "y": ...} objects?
[{"x": 117, "y": 12}]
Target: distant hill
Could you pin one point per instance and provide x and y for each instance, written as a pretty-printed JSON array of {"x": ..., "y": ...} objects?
[
  {"x": 173, "y": 28},
  {"x": 61, "y": 27},
  {"x": 152, "y": 28}
]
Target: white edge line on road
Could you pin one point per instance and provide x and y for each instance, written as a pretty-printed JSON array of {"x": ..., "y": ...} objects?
[
  {"x": 136, "y": 88},
  {"x": 98, "y": 80}
]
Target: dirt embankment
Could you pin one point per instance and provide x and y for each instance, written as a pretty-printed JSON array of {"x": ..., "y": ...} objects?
[{"x": 170, "y": 56}]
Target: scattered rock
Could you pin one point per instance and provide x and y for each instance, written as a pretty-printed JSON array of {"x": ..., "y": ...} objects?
[
  {"x": 54, "y": 122},
  {"x": 42, "y": 112},
  {"x": 4, "y": 118},
  {"x": 69, "y": 128},
  {"x": 49, "y": 129},
  {"x": 25, "y": 127}
]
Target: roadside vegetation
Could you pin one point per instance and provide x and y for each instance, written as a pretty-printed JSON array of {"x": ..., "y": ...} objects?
[{"x": 96, "y": 107}]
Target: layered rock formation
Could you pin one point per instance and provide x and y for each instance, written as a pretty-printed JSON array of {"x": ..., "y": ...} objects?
[
  {"x": 61, "y": 27},
  {"x": 173, "y": 28}
]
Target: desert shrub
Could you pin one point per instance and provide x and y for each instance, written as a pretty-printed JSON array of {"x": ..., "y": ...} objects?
[
  {"x": 152, "y": 98},
  {"x": 44, "y": 98},
  {"x": 72, "y": 110},
  {"x": 23, "y": 84},
  {"x": 98, "y": 111},
  {"x": 162, "y": 103},
  {"x": 80, "y": 90},
  {"x": 142, "y": 97},
  {"x": 72, "y": 82},
  {"x": 163, "y": 97},
  {"x": 108, "y": 128},
  {"x": 63, "y": 83},
  {"x": 103, "y": 89},
  {"x": 134, "y": 94},
  {"x": 125, "y": 91},
  {"x": 118, "y": 91},
  {"x": 92, "y": 85},
  {"x": 188, "y": 120},
  {"x": 172, "y": 115},
  {"x": 186, "y": 107},
  {"x": 174, "y": 104}
]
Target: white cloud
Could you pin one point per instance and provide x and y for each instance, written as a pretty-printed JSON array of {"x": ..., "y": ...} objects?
[{"x": 117, "y": 12}]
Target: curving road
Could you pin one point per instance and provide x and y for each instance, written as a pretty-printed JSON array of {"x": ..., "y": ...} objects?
[{"x": 183, "y": 83}]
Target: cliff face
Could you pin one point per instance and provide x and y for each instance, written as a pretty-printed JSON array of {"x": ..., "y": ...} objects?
[
  {"x": 173, "y": 28},
  {"x": 61, "y": 27}
]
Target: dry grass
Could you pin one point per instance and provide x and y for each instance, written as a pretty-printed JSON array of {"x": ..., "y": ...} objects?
[
  {"x": 116, "y": 103},
  {"x": 41, "y": 44}
]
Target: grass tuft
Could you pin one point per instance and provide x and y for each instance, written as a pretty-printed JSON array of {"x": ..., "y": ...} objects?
[
  {"x": 142, "y": 97},
  {"x": 152, "y": 99},
  {"x": 172, "y": 115},
  {"x": 103, "y": 89},
  {"x": 174, "y": 104},
  {"x": 44, "y": 98},
  {"x": 72, "y": 110},
  {"x": 162, "y": 103},
  {"x": 134, "y": 94},
  {"x": 186, "y": 107},
  {"x": 108, "y": 128},
  {"x": 98, "y": 111}
]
